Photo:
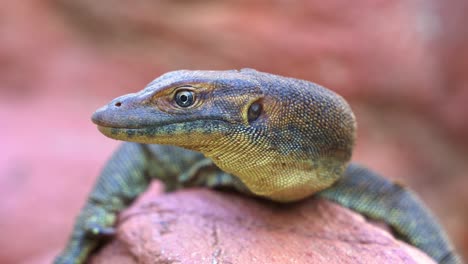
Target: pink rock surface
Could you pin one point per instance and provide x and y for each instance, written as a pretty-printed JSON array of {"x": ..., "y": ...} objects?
[{"x": 202, "y": 226}]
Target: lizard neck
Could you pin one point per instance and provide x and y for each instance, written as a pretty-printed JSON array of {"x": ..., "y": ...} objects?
[
  {"x": 300, "y": 180},
  {"x": 275, "y": 176}
]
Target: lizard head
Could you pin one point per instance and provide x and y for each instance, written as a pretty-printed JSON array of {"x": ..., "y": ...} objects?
[{"x": 284, "y": 138}]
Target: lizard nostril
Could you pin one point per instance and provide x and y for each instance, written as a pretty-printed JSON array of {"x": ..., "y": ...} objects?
[{"x": 118, "y": 104}]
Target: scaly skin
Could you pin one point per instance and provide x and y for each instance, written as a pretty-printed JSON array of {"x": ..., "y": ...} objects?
[{"x": 265, "y": 135}]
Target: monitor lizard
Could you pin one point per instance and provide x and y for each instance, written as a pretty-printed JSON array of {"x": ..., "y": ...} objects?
[{"x": 264, "y": 135}]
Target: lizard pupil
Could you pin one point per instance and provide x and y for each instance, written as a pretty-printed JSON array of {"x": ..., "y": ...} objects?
[
  {"x": 254, "y": 112},
  {"x": 184, "y": 98}
]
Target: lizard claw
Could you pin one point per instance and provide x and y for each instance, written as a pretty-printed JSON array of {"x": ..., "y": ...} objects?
[{"x": 96, "y": 230}]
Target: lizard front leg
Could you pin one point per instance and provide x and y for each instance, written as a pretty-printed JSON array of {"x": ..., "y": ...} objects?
[
  {"x": 127, "y": 174},
  {"x": 124, "y": 177},
  {"x": 376, "y": 197}
]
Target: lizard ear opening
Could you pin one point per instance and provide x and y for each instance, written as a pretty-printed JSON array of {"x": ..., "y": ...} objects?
[{"x": 255, "y": 110}]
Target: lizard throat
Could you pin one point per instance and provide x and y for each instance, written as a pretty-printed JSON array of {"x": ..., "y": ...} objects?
[{"x": 275, "y": 176}]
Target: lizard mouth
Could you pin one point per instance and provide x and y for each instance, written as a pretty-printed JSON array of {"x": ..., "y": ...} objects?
[
  {"x": 165, "y": 133},
  {"x": 143, "y": 126},
  {"x": 159, "y": 126},
  {"x": 121, "y": 133},
  {"x": 135, "y": 123}
]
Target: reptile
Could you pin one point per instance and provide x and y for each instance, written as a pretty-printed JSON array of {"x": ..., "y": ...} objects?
[{"x": 264, "y": 135}]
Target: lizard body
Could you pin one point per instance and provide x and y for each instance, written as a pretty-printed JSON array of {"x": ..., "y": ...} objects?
[{"x": 265, "y": 135}]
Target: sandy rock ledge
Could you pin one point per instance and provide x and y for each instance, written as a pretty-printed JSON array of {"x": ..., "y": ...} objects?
[{"x": 204, "y": 226}]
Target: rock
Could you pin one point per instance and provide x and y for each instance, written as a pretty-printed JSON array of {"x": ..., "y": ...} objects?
[{"x": 205, "y": 226}]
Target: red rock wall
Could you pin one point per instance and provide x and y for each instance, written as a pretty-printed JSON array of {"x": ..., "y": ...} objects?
[{"x": 402, "y": 65}]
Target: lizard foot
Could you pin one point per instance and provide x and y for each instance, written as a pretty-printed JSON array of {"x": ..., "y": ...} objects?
[{"x": 93, "y": 225}]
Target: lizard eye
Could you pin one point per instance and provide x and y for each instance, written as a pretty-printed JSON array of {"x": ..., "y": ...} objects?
[
  {"x": 184, "y": 98},
  {"x": 255, "y": 110}
]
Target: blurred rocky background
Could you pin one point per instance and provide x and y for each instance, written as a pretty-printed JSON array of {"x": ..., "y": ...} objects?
[{"x": 403, "y": 65}]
